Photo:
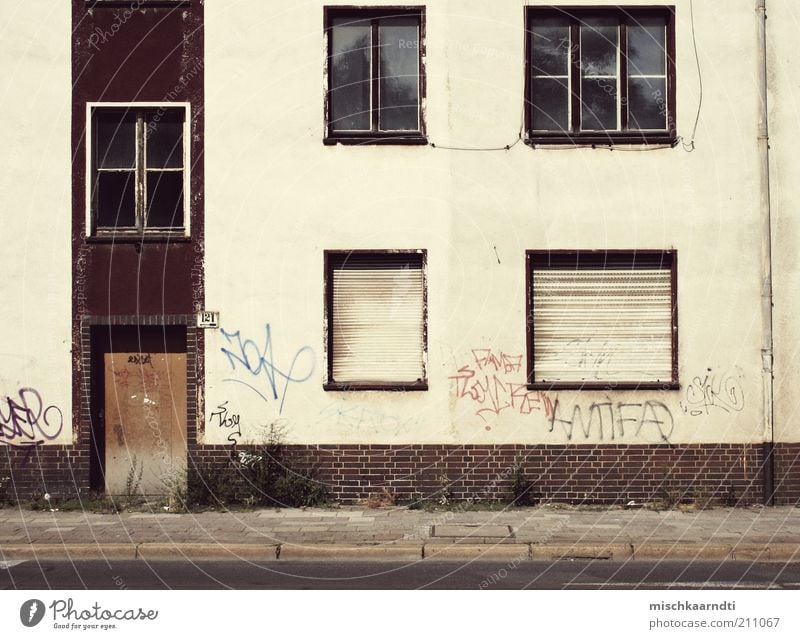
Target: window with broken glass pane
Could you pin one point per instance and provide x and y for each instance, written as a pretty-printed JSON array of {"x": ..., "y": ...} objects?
[
  {"x": 601, "y": 73},
  {"x": 138, "y": 169}
]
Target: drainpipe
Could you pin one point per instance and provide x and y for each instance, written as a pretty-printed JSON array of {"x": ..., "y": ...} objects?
[{"x": 768, "y": 446}]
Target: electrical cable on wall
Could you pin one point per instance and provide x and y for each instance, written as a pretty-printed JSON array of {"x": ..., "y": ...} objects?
[
  {"x": 689, "y": 146},
  {"x": 507, "y": 147}
]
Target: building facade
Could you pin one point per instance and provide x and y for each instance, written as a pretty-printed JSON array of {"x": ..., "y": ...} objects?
[{"x": 430, "y": 245}]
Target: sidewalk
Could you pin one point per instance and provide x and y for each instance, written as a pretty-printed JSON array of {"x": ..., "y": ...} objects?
[{"x": 545, "y": 532}]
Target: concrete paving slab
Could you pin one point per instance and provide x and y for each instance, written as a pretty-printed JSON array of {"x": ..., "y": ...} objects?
[
  {"x": 542, "y": 526},
  {"x": 461, "y": 531}
]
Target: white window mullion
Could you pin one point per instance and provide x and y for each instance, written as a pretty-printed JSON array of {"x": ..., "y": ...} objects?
[{"x": 141, "y": 173}]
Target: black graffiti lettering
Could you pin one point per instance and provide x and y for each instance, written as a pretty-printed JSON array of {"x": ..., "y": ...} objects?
[
  {"x": 655, "y": 413},
  {"x": 225, "y": 419},
  {"x": 607, "y": 420},
  {"x": 141, "y": 358},
  {"x": 709, "y": 391}
]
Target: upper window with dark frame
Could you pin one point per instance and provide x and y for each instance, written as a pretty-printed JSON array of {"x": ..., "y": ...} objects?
[
  {"x": 138, "y": 170},
  {"x": 602, "y": 319},
  {"x": 601, "y": 75},
  {"x": 375, "y": 75},
  {"x": 376, "y": 320}
]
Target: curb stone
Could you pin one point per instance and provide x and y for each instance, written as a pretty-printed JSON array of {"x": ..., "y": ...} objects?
[
  {"x": 582, "y": 551},
  {"x": 406, "y": 552},
  {"x": 69, "y": 551},
  {"x": 483, "y": 552},
  {"x": 666, "y": 550},
  {"x": 153, "y": 551},
  {"x": 767, "y": 552},
  {"x": 156, "y": 551}
]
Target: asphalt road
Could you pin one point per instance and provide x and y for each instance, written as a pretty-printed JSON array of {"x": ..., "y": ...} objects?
[{"x": 241, "y": 575}]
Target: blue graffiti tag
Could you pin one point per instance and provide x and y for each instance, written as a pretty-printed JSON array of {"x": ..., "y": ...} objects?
[{"x": 247, "y": 356}]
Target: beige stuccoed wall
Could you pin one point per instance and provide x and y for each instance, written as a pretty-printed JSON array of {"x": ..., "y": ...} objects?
[
  {"x": 35, "y": 174},
  {"x": 276, "y": 197},
  {"x": 784, "y": 100}
]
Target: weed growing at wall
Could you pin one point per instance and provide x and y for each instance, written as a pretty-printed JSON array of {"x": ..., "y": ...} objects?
[
  {"x": 521, "y": 487},
  {"x": 262, "y": 475},
  {"x": 5, "y": 482},
  {"x": 175, "y": 491},
  {"x": 133, "y": 480}
]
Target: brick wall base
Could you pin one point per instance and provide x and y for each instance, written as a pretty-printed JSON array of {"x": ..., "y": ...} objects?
[
  {"x": 787, "y": 474},
  {"x": 602, "y": 474},
  {"x": 26, "y": 473}
]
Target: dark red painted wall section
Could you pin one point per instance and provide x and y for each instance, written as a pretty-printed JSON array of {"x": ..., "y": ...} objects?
[
  {"x": 137, "y": 51},
  {"x": 154, "y": 54}
]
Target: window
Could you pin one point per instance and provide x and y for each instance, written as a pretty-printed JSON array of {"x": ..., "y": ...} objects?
[
  {"x": 602, "y": 319},
  {"x": 375, "y": 75},
  {"x": 601, "y": 75},
  {"x": 138, "y": 168},
  {"x": 376, "y": 320}
]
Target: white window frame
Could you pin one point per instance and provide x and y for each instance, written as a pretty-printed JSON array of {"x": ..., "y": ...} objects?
[{"x": 91, "y": 226}]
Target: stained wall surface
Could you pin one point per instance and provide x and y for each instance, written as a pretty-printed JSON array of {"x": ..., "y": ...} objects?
[
  {"x": 277, "y": 198},
  {"x": 35, "y": 169}
]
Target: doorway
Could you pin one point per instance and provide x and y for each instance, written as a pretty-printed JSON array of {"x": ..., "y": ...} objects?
[{"x": 138, "y": 409}]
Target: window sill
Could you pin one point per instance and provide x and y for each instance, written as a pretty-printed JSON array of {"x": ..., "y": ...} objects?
[
  {"x": 604, "y": 386},
  {"x": 143, "y": 3},
  {"x": 411, "y": 139},
  {"x": 126, "y": 238},
  {"x": 610, "y": 139},
  {"x": 373, "y": 386}
]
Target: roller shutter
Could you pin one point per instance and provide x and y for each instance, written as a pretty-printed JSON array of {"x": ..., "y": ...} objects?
[
  {"x": 599, "y": 323},
  {"x": 377, "y": 318}
]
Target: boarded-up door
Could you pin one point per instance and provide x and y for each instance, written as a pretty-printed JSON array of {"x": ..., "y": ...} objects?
[{"x": 145, "y": 421}]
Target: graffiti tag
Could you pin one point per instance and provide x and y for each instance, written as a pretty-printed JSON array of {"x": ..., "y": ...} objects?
[
  {"x": 140, "y": 358},
  {"x": 714, "y": 391},
  {"x": 609, "y": 420},
  {"x": 26, "y": 421},
  {"x": 228, "y": 420},
  {"x": 256, "y": 363},
  {"x": 248, "y": 459},
  {"x": 343, "y": 416},
  {"x": 492, "y": 382}
]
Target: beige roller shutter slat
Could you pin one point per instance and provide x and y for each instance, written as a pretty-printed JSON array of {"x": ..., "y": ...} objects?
[
  {"x": 378, "y": 325},
  {"x": 602, "y": 325}
]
